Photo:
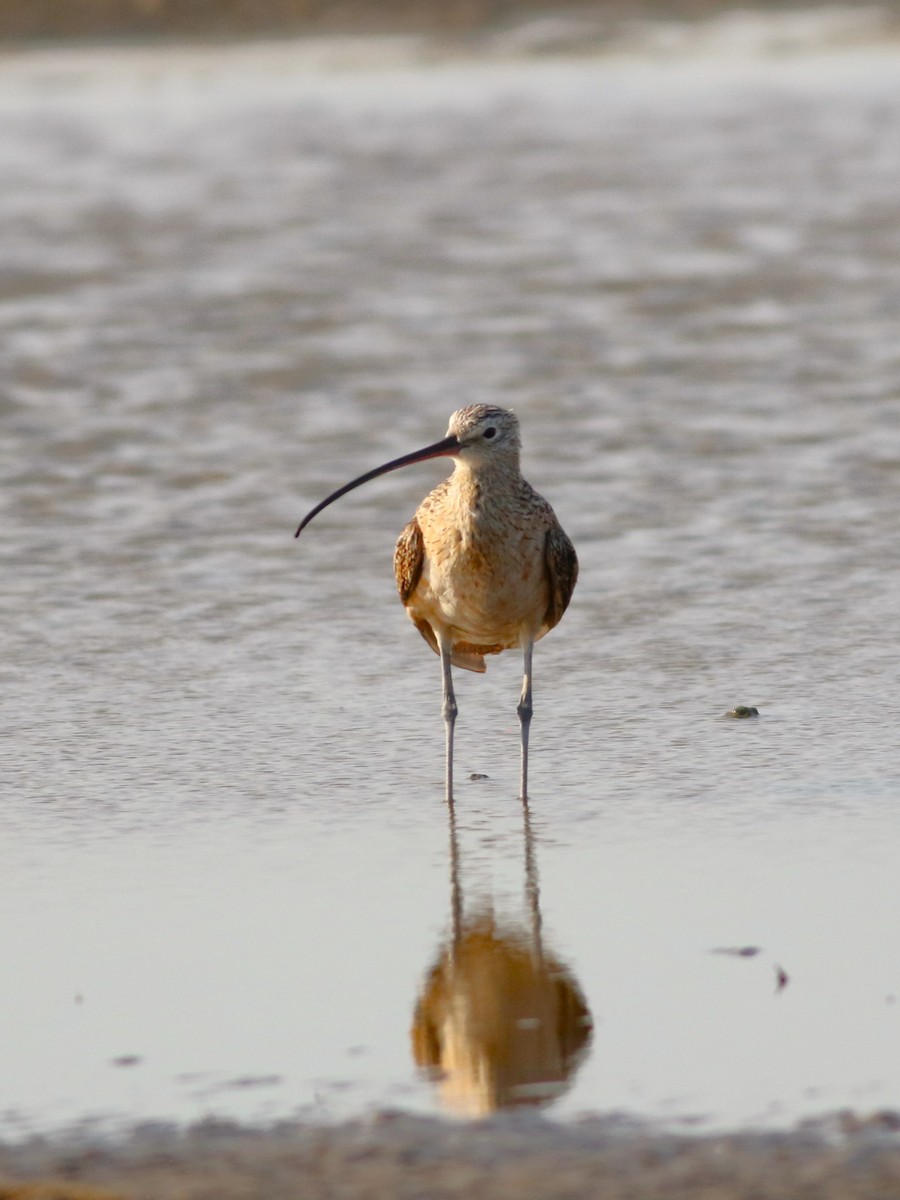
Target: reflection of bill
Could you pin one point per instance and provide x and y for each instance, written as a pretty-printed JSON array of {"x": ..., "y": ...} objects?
[{"x": 500, "y": 1022}]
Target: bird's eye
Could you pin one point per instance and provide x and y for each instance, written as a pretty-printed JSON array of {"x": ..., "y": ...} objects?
[{"x": 489, "y": 433}]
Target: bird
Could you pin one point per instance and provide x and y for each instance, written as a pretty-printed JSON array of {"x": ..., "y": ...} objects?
[{"x": 484, "y": 565}]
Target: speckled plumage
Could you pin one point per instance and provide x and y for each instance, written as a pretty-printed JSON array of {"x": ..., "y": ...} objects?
[{"x": 484, "y": 562}]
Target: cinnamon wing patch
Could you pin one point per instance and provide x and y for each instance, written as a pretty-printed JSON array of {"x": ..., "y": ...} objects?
[
  {"x": 561, "y": 563},
  {"x": 409, "y": 554}
]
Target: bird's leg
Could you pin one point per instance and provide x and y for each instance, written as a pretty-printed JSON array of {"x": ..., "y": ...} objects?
[
  {"x": 524, "y": 709},
  {"x": 449, "y": 711}
]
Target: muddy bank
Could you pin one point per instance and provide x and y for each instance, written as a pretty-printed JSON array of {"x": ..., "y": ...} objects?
[
  {"x": 841, "y": 1158},
  {"x": 30, "y": 20}
]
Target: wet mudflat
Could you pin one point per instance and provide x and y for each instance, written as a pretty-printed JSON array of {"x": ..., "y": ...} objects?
[
  {"x": 500, "y": 1159},
  {"x": 234, "y": 279}
]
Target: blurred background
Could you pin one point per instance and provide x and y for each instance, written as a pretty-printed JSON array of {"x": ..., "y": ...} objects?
[{"x": 139, "y": 18}]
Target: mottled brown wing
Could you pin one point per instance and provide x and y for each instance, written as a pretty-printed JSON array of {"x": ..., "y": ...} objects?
[
  {"x": 409, "y": 554},
  {"x": 561, "y": 563}
]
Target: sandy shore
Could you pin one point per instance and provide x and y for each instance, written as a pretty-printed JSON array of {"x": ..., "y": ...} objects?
[{"x": 399, "y": 1157}]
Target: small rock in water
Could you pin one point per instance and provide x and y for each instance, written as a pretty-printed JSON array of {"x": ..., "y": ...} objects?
[
  {"x": 476, "y": 775},
  {"x": 126, "y": 1060},
  {"x": 742, "y": 711}
]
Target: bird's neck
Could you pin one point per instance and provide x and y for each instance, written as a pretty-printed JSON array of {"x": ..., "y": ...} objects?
[
  {"x": 495, "y": 467},
  {"x": 479, "y": 484}
]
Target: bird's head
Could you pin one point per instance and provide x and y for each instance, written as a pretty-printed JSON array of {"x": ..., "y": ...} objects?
[
  {"x": 479, "y": 437},
  {"x": 486, "y": 435}
]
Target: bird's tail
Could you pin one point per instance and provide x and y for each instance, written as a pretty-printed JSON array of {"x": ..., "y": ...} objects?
[
  {"x": 463, "y": 656},
  {"x": 469, "y": 660}
]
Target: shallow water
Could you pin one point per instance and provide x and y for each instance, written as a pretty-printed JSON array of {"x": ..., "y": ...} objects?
[{"x": 232, "y": 280}]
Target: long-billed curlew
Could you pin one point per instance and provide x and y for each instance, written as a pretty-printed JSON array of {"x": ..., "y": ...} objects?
[{"x": 484, "y": 565}]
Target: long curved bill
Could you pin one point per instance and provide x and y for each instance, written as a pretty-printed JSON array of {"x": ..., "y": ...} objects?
[{"x": 447, "y": 446}]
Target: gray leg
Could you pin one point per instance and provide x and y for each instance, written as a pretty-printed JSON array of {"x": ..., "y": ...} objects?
[
  {"x": 449, "y": 711},
  {"x": 524, "y": 709}
]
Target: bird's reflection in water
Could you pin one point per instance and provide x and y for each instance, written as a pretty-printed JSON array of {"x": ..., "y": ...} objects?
[{"x": 500, "y": 1022}]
